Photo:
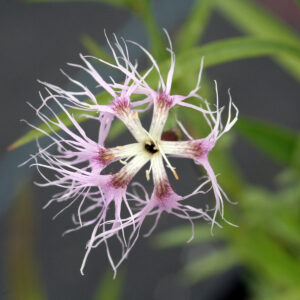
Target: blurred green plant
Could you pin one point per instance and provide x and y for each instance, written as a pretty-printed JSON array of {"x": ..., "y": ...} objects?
[
  {"x": 193, "y": 29},
  {"x": 110, "y": 288},
  {"x": 21, "y": 260},
  {"x": 252, "y": 19},
  {"x": 94, "y": 48},
  {"x": 267, "y": 242},
  {"x": 279, "y": 143}
]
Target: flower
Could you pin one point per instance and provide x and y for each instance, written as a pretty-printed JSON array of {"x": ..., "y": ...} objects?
[{"x": 79, "y": 163}]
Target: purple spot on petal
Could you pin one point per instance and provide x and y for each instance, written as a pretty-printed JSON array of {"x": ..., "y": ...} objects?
[
  {"x": 162, "y": 189},
  {"x": 122, "y": 106},
  {"x": 105, "y": 156},
  {"x": 164, "y": 101},
  {"x": 120, "y": 179}
]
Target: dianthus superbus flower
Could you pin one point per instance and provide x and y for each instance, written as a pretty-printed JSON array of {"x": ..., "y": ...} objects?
[{"x": 77, "y": 164}]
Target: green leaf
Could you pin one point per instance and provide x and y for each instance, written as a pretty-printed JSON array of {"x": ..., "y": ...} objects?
[
  {"x": 158, "y": 43},
  {"x": 110, "y": 288},
  {"x": 280, "y": 143},
  {"x": 292, "y": 294},
  {"x": 252, "y": 18},
  {"x": 34, "y": 134},
  {"x": 110, "y": 2},
  {"x": 228, "y": 50},
  {"x": 94, "y": 48},
  {"x": 214, "y": 53},
  {"x": 180, "y": 235},
  {"x": 298, "y": 2},
  {"x": 263, "y": 289},
  {"x": 209, "y": 265},
  {"x": 275, "y": 213},
  {"x": 267, "y": 257},
  {"x": 194, "y": 27},
  {"x": 23, "y": 271}
]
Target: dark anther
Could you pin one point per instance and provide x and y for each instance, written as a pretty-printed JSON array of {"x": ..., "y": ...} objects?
[{"x": 150, "y": 147}]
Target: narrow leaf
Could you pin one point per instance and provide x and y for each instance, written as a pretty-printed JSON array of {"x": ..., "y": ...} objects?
[
  {"x": 158, "y": 44},
  {"x": 110, "y": 2},
  {"x": 33, "y": 134},
  {"x": 110, "y": 288},
  {"x": 267, "y": 258},
  {"x": 94, "y": 48},
  {"x": 228, "y": 50},
  {"x": 180, "y": 235},
  {"x": 209, "y": 265},
  {"x": 252, "y": 18},
  {"x": 23, "y": 270},
  {"x": 194, "y": 27},
  {"x": 280, "y": 143}
]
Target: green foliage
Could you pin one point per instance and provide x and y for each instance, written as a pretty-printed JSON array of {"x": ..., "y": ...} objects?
[
  {"x": 110, "y": 288},
  {"x": 121, "y": 3},
  {"x": 280, "y": 143},
  {"x": 213, "y": 263},
  {"x": 234, "y": 49},
  {"x": 157, "y": 42},
  {"x": 267, "y": 258},
  {"x": 267, "y": 242},
  {"x": 23, "y": 278},
  {"x": 181, "y": 235},
  {"x": 276, "y": 212},
  {"x": 248, "y": 16},
  {"x": 253, "y": 19},
  {"x": 94, "y": 48},
  {"x": 192, "y": 30}
]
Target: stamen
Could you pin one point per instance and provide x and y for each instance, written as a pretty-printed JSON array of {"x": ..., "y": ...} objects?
[
  {"x": 173, "y": 171},
  {"x": 148, "y": 175},
  {"x": 123, "y": 162},
  {"x": 175, "y": 174},
  {"x": 148, "y": 172},
  {"x": 168, "y": 163}
]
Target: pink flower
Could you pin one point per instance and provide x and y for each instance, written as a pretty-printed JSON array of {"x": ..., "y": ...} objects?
[{"x": 78, "y": 164}]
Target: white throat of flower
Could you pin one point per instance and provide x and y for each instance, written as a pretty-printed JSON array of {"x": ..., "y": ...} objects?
[{"x": 157, "y": 150}]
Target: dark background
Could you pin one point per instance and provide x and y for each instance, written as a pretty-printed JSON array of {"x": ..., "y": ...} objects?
[{"x": 37, "y": 40}]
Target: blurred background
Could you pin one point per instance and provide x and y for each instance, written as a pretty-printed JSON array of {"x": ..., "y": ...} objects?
[{"x": 251, "y": 47}]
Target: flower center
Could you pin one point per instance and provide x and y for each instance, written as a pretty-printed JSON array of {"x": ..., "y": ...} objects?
[{"x": 151, "y": 147}]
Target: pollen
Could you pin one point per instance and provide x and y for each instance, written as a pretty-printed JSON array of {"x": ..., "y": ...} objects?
[
  {"x": 110, "y": 156},
  {"x": 175, "y": 174}
]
